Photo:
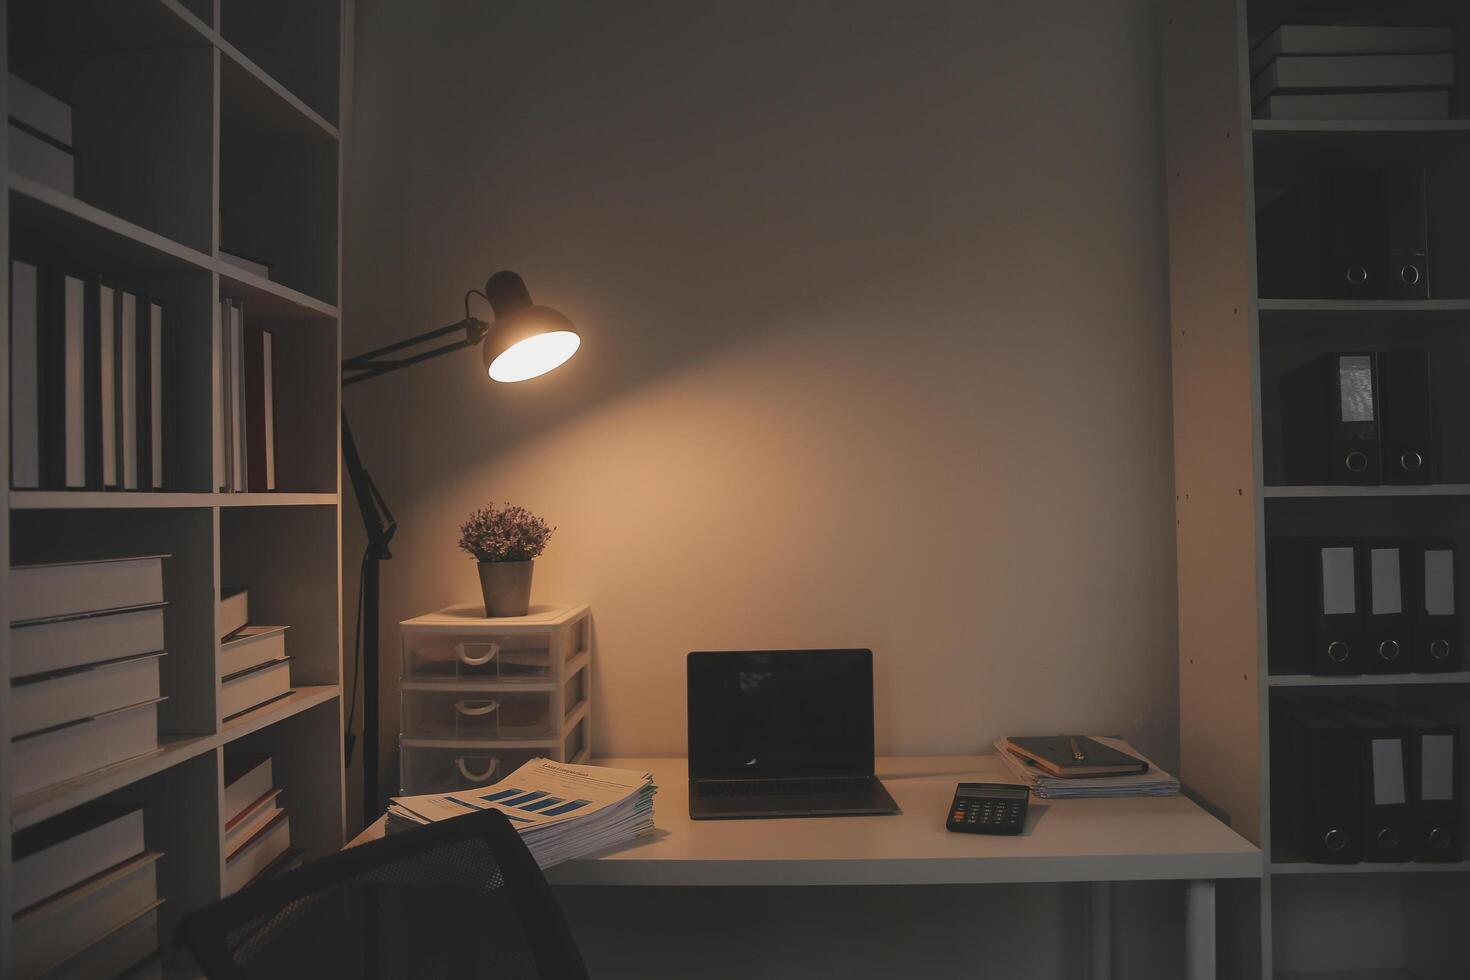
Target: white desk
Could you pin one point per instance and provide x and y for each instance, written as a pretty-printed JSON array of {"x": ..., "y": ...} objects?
[{"x": 1101, "y": 841}]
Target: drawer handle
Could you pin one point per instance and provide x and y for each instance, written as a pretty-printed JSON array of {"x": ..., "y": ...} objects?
[
  {"x": 475, "y": 709},
  {"x": 466, "y": 658},
  {"x": 476, "y": 777}
]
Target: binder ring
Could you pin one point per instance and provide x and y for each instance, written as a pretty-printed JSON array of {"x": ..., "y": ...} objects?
[
  {"x": 1357, "y": 274},
  {"x": 1411, "y": 461},
  {"x": 1409, "y": 274},
  {"x": 1388, "y": 838},
  {"x": 1389, "y": 650},
  {"x": 1439, "y": 838},
  {"x": 1338, "y": 652},
  {"x": 1439, "y": 649},
  {"x": 1356, "y": 461},
  {"x": 1335, "y": 840}
]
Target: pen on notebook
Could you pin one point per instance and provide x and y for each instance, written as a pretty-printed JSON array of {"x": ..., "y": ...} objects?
[{"x": 1077, "y": 752}]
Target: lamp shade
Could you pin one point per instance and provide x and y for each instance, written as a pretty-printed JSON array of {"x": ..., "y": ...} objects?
[{"x": 525, "y": 340}]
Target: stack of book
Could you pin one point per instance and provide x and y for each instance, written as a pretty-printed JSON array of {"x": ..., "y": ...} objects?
[
  {"x": 40, "y": 137},
  {"x": 257, "y": 828},
  {"x": 254, "y": 667},
  {"x": 1082, "y": 767},
  {"x": 1320, "y": 71},
  {"x": 244, "y": 403},
  {"x": 87, "y": 890},
  {"x": 86, "y": 643},
  {"x": 87, "y": 368}
]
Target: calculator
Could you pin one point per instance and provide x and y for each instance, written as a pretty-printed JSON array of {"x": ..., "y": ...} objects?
[{"x": 988, "y": 808}]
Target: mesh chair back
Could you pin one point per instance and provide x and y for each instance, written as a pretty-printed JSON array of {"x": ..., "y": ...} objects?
[{"x": 461, "y": 898}]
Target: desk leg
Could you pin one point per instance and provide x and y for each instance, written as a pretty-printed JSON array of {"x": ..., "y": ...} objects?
[
  {"x": 1199, "y": 930},
  {"x": 1100, "y": 930}
]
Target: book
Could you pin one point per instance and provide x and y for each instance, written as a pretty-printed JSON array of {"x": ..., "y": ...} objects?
[
  {"x": 1058, "y": 756},
  {"x": 237, "y": 391},
  {"x": 248, "y": 777},
  {"x": 219, "y": 395},
  {"x": 1349, "y": 39},
  {"x": 39, "y": 111},
  {"x": 253, "y": 819},
  {"x": 74, "y": 374},
  {"x": 43, "y": 160},
  {"x": 1353, "y": 71},
  {"x": 258, "y": 853},
  {"x": 65, "y": 850},
  {"x": 1154, "y": 782},
  {"x": 289, "y": 860},
  {"x": 60, "y": 589},
  {"x": 1417, "y": 104},
  {"x": 57, "y": 644},
  {"x": 156, "y": 445},
  {"x": 48, "y": 700},
  {"x": 234, "y": 611},
  {"x": 49, "y": 932},
  {"x": 251, "y": 646},
  {"x": 57, "y": 754},
  {"x": 128, "y": 387},
  {"x": 260, "y": 423},
  {"x": 254, "y": 687},
  {"x": 25, "y": 377},
  {"x": 120, "y": 953},
  {"x": 107, "y": 383}
]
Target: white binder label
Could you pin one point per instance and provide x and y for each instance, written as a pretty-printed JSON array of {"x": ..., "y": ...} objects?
[
  {"x": 1337, "y": 582},
  {"x": 1355, "y": 387},
  {"x": 1439, "y": 582},
  {"x": 1437, "y": 767},
  {"x": 1388, "y": 596},
  {"x": 1388, "y": 771}
]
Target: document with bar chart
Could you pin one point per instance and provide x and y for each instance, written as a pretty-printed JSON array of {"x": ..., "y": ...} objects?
[{"x": 562, "y": 810}]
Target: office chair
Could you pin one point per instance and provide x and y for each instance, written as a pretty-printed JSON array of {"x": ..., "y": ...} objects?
[{"x": 460, "y": 898}]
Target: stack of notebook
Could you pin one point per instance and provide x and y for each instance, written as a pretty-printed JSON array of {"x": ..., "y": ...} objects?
[
  {"x": 87, "y": 891},
  {"x": 1332, "y": 71},
  {"x": 86, "y": 641},
  {"x": 257, "y": 828},
  {"x": 1107, "y": 767},
  {"x": 253, "y": 665}
]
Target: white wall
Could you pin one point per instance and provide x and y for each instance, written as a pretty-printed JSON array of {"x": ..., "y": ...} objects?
[{"x": 873, "y": 304}]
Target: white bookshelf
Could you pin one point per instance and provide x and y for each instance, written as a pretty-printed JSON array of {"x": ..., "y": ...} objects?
[
  {"x": 1231, "y": 347},
  {"x": 236, "y": 105}
]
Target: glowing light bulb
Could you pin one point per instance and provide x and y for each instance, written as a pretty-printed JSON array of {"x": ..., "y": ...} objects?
[{"x": 534, "y": 356}]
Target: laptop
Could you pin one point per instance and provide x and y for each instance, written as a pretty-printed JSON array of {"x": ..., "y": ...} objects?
[{"x": 782, "y": 733}]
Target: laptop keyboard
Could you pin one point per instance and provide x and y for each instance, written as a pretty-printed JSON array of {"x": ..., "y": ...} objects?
[{"x": 840, "y": 786}]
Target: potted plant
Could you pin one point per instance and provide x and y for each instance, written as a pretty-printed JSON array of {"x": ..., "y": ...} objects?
[{"x": 505, "y": 541}]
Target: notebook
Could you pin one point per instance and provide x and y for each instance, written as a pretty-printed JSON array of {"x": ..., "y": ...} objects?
[{"x": 1075, "y": 756}]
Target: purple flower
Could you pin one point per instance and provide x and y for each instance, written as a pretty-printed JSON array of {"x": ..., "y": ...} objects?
[{"x": 506, "y": 534}]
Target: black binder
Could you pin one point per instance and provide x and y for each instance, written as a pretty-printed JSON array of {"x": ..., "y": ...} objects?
[
  {"x": 1330, "y": 421},
  {"x": 1314, "y": 602},
  {"x": 1316, "y": 809},
  {"x": 1354, "y": 239},
  {"x": 1435, "y": 785},
  {"x": 1406, "y": 275},
  {"x": 1432, "y": 582},
  {"x": 1406, "y": 431},
  {"x": 144, "y": 365},
  {"x": 92, "y": 379},
  {"x": 1387, "y": 609},
  {"x": 1383, "y": 759},
  {"x": 51, "y": 364}
]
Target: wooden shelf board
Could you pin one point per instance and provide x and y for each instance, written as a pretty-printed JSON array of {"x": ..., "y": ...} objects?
[
  {"x": 105, "y": 499},
  {"x": 42, "y": 218},
  {"x": 1368, "y": 868},
  {"x": 299, "y": 700},
  {"x": 1362, "y": 305},
  {"x": 50, "y": 800},
  {"x": 1431, "y": 490},
  {"x": 270, "y": 300},
  {"x": 1302, "y": 127},
  {"x": 1366, "y": 680},
  {"x": 256, "y": 108}
]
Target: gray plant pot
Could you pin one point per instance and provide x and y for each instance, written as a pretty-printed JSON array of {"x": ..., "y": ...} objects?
[{"x": 506, "y": 586}]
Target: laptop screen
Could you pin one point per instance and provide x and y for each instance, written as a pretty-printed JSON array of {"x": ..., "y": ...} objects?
[{"x": 774, "y": 713}]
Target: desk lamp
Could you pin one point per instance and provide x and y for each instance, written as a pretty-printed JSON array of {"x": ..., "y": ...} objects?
[{"x": 524, "y": 340}]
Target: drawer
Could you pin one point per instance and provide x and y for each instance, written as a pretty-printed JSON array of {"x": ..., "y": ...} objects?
[
  {"x": 473, "y": 714},
  {"x": 442, "y": 766},
  {"x": 481, "y": 656}
]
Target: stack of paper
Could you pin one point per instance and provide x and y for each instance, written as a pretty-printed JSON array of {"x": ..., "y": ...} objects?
[
  {"x": 1154, "y": 782},
  {"x": 562, "y": 811}
]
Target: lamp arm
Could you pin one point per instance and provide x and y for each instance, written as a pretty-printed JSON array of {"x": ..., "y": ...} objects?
[{"x": 375, "y": 363}]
